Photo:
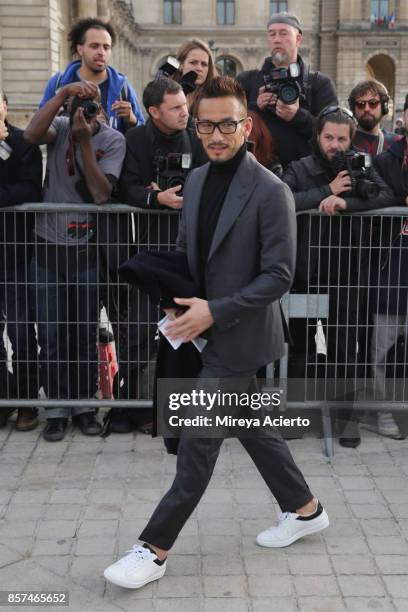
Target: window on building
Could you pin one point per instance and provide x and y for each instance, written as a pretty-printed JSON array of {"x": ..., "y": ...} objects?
[
  {"x": 172, "y": 11},
  {"x": 227, "y": 66},
  {"x": 379, "y": 10},
  {"x": 277, "y": 6},
  {"x": 225, "y": 12}
]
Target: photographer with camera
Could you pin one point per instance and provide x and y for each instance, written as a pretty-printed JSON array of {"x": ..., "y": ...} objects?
[
  {"x": 91, "y": 40},
  {"x": 20, "y": 181},
  {"x": 160, "y": 154},
  {"x": 333, "y": 179},
  {"x": 84, "y": 161},
  {"x": 288, "y": 94}
]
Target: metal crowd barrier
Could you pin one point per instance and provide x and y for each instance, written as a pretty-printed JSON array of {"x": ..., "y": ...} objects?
[{"x": 348, "y": 305}]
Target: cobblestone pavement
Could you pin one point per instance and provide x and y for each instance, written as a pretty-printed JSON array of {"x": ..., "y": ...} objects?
[{"x": 68, "y": 509}]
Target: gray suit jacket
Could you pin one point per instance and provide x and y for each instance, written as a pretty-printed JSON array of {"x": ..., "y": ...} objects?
[{"x": 250, "y": 265}]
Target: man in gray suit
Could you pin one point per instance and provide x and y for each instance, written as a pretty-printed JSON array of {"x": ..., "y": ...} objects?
[{"x": 238, "y": 230}]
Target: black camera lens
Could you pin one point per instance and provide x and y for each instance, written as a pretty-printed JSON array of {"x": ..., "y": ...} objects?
[
  {"x": 91, "y": 109},
  {"x": 288, "y": 93}
]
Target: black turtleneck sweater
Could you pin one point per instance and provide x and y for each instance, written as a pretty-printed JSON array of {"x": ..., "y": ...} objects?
[{"x": 213, "y": 195}]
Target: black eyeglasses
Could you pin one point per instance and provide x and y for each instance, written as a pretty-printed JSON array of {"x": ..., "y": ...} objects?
[
  {"x": 229, "y": 126},
  {"x": 329, "y": 110},
  {"x": 373, "y": 103}
]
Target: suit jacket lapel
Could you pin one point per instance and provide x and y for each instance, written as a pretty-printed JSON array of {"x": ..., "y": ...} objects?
[
  {"x": 192, "y": 213},
  {"x": 238, "y": 195}
]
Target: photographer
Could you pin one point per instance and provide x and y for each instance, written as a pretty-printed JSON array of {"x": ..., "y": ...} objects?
[
  {"x": 20, "y": 181},
  {"x": 91, "y": 40},
  {"x": 290, "y": 120},
  {"x": 149, "y": 147},
  {"x": 332, "y": 180},
  {"x": 84, "y": 162}
]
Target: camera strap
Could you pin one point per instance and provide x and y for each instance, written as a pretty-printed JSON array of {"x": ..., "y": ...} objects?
[{"x": 380, "y": 145}]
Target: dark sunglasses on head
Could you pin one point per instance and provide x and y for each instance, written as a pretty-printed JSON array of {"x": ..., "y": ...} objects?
[
  {"x": 329, "y": 110},
  {"x": 373, "y": 103}
]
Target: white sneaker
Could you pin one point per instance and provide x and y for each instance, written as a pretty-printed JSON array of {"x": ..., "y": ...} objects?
[
  {"x": 292, "y": 526},
  {"x": 136, "y": 569},
  {"x": 387, "y": 426}
]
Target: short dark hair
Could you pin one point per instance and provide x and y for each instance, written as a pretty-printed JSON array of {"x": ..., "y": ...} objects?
[
  {"x": 77, "y": 33},
  {"x": 221, "y": 87},
  {"x": 339, "y": 115},
  {"x": 368, "y": 86},
  {"x": 3, "y": 96},
  {"x": 154, "y": 92}
]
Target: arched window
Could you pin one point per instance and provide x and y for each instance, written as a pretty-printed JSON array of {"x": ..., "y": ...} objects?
[{"x": 227, "y": 66}]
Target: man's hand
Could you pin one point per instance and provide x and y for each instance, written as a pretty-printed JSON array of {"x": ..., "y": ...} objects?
[
  {"x": 341, "y": 183},
  {"x": 286, "y": 111},
  {"x": 82, "y": 89},
  {"x": 192, "y": 323},
  {"x": 3, "y": 130},
  {"x": 124, "y": 111},
  {"x": 332, "y": 205},
  {"x": 168, "y": 197},
  {"x": 81, "y": 129},
  {"x": 265, "y": 98}
]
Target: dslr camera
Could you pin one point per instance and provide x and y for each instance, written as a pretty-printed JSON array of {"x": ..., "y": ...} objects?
[
  {"x": 171, "y": 170},
  {"x": 90, "y": 107},
  {"x": 356, "y": 165},
  {"x": 284, "y": 82},
  {"x": 170, "y": 66}
]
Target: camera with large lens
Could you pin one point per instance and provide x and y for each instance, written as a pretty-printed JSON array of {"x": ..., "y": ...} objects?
[
  {"x": 171, "y": 170},
  {"x": 356, "y": 165},
  {"x": 170, "y": 66},
  {"x": 89, "y": 106},
  {"x": 284, "y": 82}
]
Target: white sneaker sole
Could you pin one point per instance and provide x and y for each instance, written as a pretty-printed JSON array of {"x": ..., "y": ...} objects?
[
  {"x": 126, "y": 584},
  {"x": 320, "y": 523},
  {"x": 382, "y": 432}
]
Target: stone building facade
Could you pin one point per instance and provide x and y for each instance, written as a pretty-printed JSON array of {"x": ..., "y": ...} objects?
[{"x": 347, "y": 39}]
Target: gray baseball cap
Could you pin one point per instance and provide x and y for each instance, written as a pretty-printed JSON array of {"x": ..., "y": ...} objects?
[{"x": 285, "y": 17}]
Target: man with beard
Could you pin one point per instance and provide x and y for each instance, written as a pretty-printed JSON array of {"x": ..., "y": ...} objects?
[
  {"x": 291, "y": 125},
  {"x": 368, "y": 102},
  {"x": 91, "y": 40},
  {"x": 325, "y": 258}
]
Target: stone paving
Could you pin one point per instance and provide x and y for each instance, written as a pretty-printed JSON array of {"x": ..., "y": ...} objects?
[{"x": 68, "y": 509}]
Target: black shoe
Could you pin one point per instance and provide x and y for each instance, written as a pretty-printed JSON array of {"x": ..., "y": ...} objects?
[
  {"x": 120, "y": 421},
  {"x": 350, "y": 442},
  {"x": 4, "y": 415},
  {"x": 55, "y": 429},
  {"x": 87, "y": 423}
]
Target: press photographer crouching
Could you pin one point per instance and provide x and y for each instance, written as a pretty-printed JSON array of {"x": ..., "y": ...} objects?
[
  {"x": 331, "y": 254},
  {"x": 159, "y": 155},
  {"x": 285, "y": 91},
  {"x": 84, "y": 161}
]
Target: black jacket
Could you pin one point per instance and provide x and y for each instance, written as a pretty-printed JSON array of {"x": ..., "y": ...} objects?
[
  {"x": 142, "y": 144},
  {"x": 291, "y": 139},
  {"x": 389, "y": 269},
  {"x": 20, "y": 181},
  {"x": 309, "y": 180}
]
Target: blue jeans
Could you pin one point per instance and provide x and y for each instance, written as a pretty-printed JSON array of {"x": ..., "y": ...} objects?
[{"x": 64, "y": 282}]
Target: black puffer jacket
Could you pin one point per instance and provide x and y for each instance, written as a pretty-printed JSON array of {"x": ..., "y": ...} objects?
[{"x": 292, "y": 139}]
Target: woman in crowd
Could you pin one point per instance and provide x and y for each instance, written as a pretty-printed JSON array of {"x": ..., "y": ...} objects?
[
  {"x": 195, "y": 55},
  {"x": 262, "y": 145}
]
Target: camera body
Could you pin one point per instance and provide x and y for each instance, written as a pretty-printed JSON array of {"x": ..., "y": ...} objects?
[
  {"x": 170, "y": 66},
  {"x": 284, "y": 82},
  {"x": 356, "y": 165},
  {"x": 90, "y": 108},
  {"x": 171, "y": 170}
]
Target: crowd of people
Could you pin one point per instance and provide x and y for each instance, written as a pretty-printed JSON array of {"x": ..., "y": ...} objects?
[{"x": 100, "y": 150}]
